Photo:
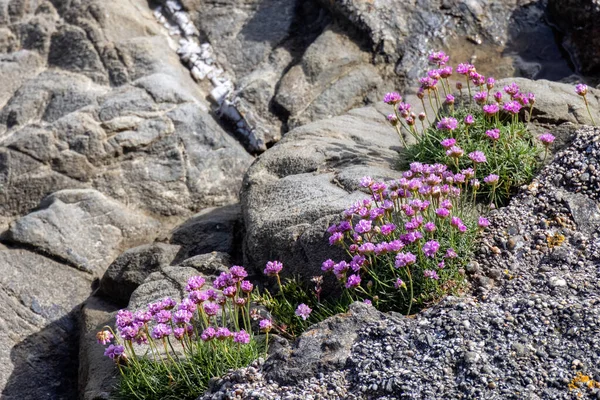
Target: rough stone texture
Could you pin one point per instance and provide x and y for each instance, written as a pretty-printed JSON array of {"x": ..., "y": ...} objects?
[
  {"x": 170, "y": 281},
  {"x": 324, "y": 348},
  {"x": 82, "y": 227},
  {"x": 557, "y": 103},
  {"x": 132, "y": 267},
  {"x": 579, "y": 20},
  {"x": 295, "y": 190},
  {"x": 38, "y": 328},
  {"x": 212, "y": 229},
  {"x": 97, "y": 373},
  {"x": 333, "y": 76},
  {"x": 98, "y": 98}
]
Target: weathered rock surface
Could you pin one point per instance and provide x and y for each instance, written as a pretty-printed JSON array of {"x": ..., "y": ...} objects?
[
  {"x": 131, "y": 268},
  {"x": 170, "y": 281},
  {"x": 324, "y": 348},
  {"x": 38, "y": 328},
  {"x": 213, "y": 229},
  {"x": 579, "y": 20},
  {"x": 82, "y": 227},
  {"x": 98, "y": 374},
  {"x": 293, "y": 192},
  {"x": 147, "y": 140}
]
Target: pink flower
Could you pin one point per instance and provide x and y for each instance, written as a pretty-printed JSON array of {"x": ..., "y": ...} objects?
[
  {"x": 447, "y": 123},
  {"x": 430, "y": 248},
  {"x": 392, "y": 98},
  {"x": 546, "y": 138},
  {"x": 491, "y": 109},
  {"x": 491, "y": 179},
  {"x": 273, "y": 268},
  {"x": 512, "y": 107},
  {"x": 469, "y": 120},
  {"x": 493, "y": 134},
  {"x": 581, "y": 89},
  {"x": 455, "y": 152},
  {"x": 303, "y": 311},
  {"x": 353, "y": 282},
  {"x": 477, "y": 157}
]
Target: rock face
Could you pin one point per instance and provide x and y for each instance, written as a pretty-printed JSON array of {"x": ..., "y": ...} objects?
[
  {"x": 61, "y": 228},
  {"x": 147, "y": 140},
  {"x": 38, "y": 328},
  {"x": 578, "y": 19},
  {"x": 293, "y": 192}
]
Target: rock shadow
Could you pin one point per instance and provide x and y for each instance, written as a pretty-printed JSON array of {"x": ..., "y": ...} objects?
[
  {"x": 46, "y": 363},
  {"x": 535, "y": 45}
]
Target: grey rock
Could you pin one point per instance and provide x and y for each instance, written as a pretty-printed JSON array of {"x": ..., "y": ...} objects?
[
  {"x": 98, "y": 375},
  {"x": 170, "y": 281},
  {"x": 212, "y": 229},
  {"x": 131, "y": 268},
  {"x": 323, "y": 348},
  {"x": 62, "y": 228},
  {"x": 38, "y": 328},
  {"x": 294, "y": 191}
]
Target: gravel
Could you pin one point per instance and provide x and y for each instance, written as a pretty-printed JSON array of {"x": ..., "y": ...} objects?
[{"x": 529, "y": 325}]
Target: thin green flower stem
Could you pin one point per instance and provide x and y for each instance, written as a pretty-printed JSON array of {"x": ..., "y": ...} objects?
[
  {"x": 469, "y": 87},
  {"x": 431, "y": 104},
  {"x": 400, "y": 136},
  {"x": 410, "y": 280},
  {"x": 425, "y": 111},
  {"x": 587, "y": 106},
  {"x": 177, "y": 366},
  {"x": 139, "y": 367}
]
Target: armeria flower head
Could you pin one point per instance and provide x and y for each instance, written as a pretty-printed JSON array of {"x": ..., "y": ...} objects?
[
  {"x": 124, "y": 318},
  {"x": 273, "y": 268},
  {"x": 442, "y": 212},
  {"x": 490, "y": 83},
  {"x": 491, "y": 179},
  {"x": 223, "y": 333},
  {"x": 477, "y": 157},
  {"x": 198, "y": 297},
  {"x": 428, "y": 83},
  {"x": 512, "y": 107},
  {"x": 480, "y": 97},
  {"x": 229, "y": 291},
  {"x": 434, "y": 74},
  {"x": 392, "y": 98},
  {"x": 491, "y": 109},
  {"x": 477, "y": 79},
  {"x": 104, "y": 337},
  {"x": 163, "y": 316},
  {"x": 498, "y": 97},
  {"x": 399, "y": 283},
  {"x": 208, "y": 334},
  {"x": 483, "y": 222},
  {"x": 581, "y": 89},
  {"x": 238, "y": 273},
  {"x": 464, "y": 69},
  {"x": 168, "y": 303},
  {"x": 155, "y": 307},
  {"x": 450, "y": 253},
  {"x": 511, "y": 89},
  {"x": 241, "y": 337},
  {"x": 430, "y": 248},
  {"x": 179, "y": 333},
  {"x": 160, "y": 331},
  {"x": 493, "y": 134},
  {"x": 366, "y": 181},
  {"x": 142, "y": 317},
  {"x": 211, "y": 309},
  {"x": 450, "y": 99},
  {"x": 195, "y": 283},
  {"x": 223, "y": 280},
  {"x": 404, "y": 259},
  {"x": 246, "y": 286},
  {"x": 546, "y": 138},
  {"x": 182, "y": 317},
  {"x": 455, "y": 152},
  {"x": 265, "y": 325},
  {"x": 337, "y": 237},
  {"x": 303, "y": 311},
  {"x": 114, "y": 352},
  {"x": 327, "y": 265},
  {"x": 187, "y": 304},
  {"x": 446, "y": 72},
  {"x": 447, "y": 124},
  {"x": 438, "y": 57},
  {"x": 353, "y": 282},
  {"x": 363, "y": 226},
  {"x": 469, "y": 120},
  {"x": 431, "y": 274}
]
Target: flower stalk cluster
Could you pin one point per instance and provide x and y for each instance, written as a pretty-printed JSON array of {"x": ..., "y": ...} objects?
[
  {"x": 407, "y": 243},
  {"x": 211, "y": 323},
  {"x": 487, "y": 131}
]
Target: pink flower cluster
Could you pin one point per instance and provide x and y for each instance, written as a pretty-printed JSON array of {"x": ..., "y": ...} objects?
[
  {"x": 230, "y": 294},
  {"x": 397, "y": 226}
]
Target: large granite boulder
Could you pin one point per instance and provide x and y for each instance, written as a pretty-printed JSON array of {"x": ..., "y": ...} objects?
[{"x": 295, "y": 190}]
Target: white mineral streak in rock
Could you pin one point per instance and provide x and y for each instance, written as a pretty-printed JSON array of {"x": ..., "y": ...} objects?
[{"x": 200, "y": 60}]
